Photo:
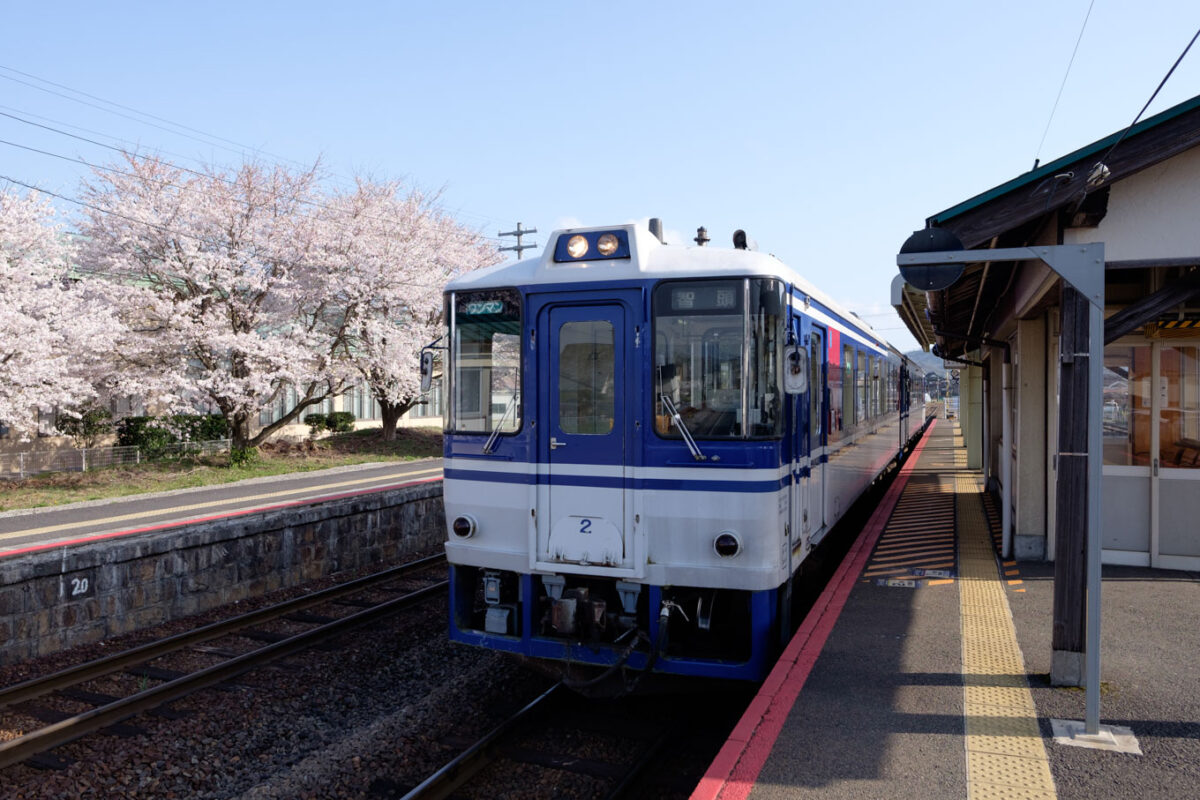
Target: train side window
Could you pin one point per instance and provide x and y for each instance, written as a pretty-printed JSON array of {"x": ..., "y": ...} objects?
[
  {"x": 816, "y": 346},
  {"x": 861, "y": 401},
  {"x": 876, "y": 388},
  {"x": 848, "y": 387},
  {"x": 586, "y": 377},
  {"x": 834, "y": 372}
]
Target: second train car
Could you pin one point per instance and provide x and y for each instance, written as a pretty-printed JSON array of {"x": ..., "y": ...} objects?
[{"x": 643, "y": 443}]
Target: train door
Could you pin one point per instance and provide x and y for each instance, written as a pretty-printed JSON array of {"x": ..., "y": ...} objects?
[
  {"x": 817, "y": 435},
  {"x": 583, "y": 438}
]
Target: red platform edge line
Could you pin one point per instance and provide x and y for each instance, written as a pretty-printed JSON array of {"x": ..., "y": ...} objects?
[
  {"x": 734, "y": 771},
  {"x": 179, "y": 523}
]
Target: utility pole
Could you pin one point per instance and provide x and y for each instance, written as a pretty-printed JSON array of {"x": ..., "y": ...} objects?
[{"x": 519, "y": 232}]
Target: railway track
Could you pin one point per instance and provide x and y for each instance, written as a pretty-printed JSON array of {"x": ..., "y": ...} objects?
[
  {"x": 270, "y": 646},
  {"x": 641, "y": 746},
  {"x": 618, "y": 749}
]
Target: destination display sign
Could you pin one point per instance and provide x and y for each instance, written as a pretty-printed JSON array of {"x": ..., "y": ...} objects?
[
  {"x": 490, "y": 304},
  {"x": 485, "y": 307},
  {"x": 706, "y": 297}
]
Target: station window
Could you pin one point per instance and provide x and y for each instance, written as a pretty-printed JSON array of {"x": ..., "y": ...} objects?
[{"x": 1179, "y": 420}]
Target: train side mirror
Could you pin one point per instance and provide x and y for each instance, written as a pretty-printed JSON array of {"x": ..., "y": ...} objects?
[
  {"x": 795, "y": 369},
  {"x": 426, "y": 370}
]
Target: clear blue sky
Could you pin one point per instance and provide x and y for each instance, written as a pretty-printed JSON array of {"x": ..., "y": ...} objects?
[{"x": 828, "y": 131}]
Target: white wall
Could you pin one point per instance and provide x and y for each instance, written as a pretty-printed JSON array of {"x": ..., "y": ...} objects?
[{"x": 1151, "y": 214}]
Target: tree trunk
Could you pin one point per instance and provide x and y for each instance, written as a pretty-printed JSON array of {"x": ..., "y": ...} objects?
[
  {"x": 391, "y": 414},
  {"x": 239, "y": 431}
]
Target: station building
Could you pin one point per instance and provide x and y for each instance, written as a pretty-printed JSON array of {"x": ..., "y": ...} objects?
[{"x": 1138, "y": 192}]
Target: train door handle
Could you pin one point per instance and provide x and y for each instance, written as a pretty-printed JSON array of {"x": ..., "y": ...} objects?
[{"x": 555, "y": 443}]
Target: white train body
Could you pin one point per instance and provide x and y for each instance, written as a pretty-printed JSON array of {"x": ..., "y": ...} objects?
[{"x": 645, "y": 436}]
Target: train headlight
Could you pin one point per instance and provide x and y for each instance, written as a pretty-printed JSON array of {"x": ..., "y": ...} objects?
[
  {"x": 463, "y": 527},
  {"x": 727, "y": 544},
  {"x": 592, "y": 246},
  {"x": 607, "y": 244},
  {"x": 577, "y": 246}
]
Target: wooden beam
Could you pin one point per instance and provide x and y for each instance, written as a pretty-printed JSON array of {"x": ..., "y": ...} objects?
[
  {"x": 1071, "y": 521},
  {"x": 1151, "y": 306}
]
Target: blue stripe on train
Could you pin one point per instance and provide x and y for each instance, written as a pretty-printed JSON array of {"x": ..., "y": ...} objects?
[{"x": 601, "y": 482}]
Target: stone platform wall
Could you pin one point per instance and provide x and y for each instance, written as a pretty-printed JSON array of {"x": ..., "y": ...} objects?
[{"x": 61, "y": 598}]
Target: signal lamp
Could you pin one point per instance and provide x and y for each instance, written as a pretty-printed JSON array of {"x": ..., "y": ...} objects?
[
  {"x": 463, "y": 527},
  {"x": 727, "y": 544}
]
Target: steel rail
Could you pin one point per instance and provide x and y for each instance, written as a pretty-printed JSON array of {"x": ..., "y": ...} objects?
[
  {"x": 36, "y": 687},
  {"x": 458, "y": 771},
  {"x": 629, "y": 782},
  {"x": 72, "y": 728}
]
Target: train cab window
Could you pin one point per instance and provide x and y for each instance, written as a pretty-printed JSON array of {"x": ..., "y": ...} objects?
[
  {"x": 718, "y": 357},
  {"x": 586, "y": 377},
  {"x": 485, "y": 377}
]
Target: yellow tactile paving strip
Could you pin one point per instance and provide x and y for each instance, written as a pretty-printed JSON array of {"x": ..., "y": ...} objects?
[{"x": 1006, "y": 758}]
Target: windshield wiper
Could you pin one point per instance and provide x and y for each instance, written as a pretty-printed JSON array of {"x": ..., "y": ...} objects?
[
  {"x": 683, "y": 428},
  {"x": 490, "y": 444}
]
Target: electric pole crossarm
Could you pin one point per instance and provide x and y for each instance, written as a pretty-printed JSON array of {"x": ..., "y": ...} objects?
[{"x": 518, "y": 247}]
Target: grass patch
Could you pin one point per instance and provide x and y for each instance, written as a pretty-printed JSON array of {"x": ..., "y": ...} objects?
[{"x": 339, "y": 450}]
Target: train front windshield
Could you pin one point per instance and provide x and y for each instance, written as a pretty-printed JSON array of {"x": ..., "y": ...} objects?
[
  {"x": 485, "y": 381},
  {"x": 717, "y": 357}
]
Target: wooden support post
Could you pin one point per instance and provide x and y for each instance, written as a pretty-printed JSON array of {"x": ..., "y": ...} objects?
[{"x": 1067, "y": 666}]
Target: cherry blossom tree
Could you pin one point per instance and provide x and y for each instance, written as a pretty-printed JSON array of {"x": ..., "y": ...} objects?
[
  {"x": 222, "y": 287},
  {"x": 390, "y": 253},
  {"x": 55, "y": 332}
]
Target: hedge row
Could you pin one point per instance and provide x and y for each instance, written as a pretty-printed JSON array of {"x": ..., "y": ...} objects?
[
  {"x": 337, "y": 422},
  {"x": 152, "y": 434}
]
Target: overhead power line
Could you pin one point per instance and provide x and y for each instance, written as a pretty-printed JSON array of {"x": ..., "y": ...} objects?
[
  {"x": 1161, "y": 84},
  {"x": 201, "y": 192},
  {"x": 1078, "y": 39},
  {"x": 177, "y": 126},
  {"x": 172, "y": 231}
]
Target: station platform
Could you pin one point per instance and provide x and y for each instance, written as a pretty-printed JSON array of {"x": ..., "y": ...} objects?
[{"x": 923, "y": 669}]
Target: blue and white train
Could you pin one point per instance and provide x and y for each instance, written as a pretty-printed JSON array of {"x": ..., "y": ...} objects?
[{"x": 643, "y": 444}]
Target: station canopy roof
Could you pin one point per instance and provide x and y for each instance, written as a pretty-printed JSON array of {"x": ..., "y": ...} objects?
[{"x": 1014, "y": 213}]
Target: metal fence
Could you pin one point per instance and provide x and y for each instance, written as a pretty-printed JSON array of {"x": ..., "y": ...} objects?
[{"x": 35, "y": 462}]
